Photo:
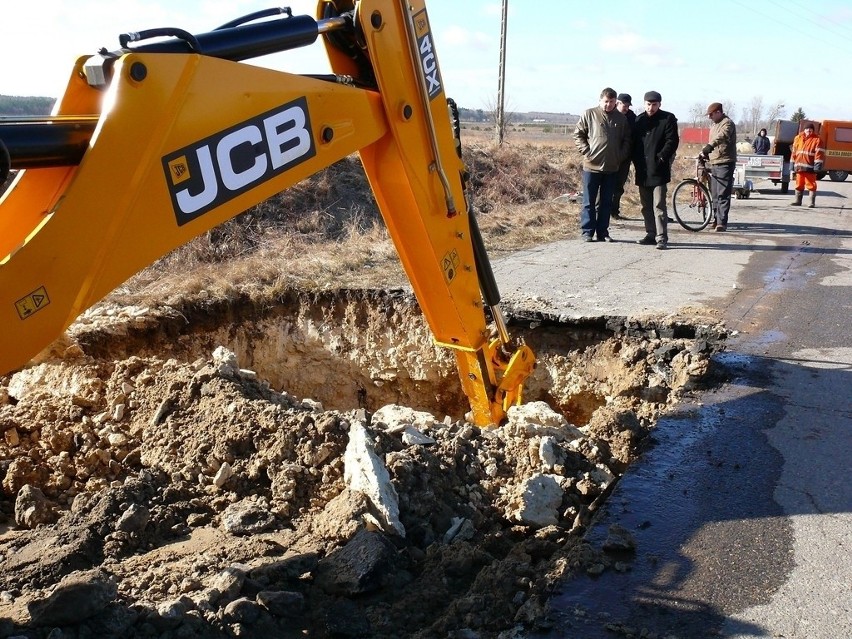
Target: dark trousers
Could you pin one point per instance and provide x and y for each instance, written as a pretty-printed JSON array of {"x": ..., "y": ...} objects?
[
  {"x": 597, "y": 203},
  {"x": 721, "y": 186},
  {"x": 618, "y": 188},
  {"x": 654, "y": 211}
]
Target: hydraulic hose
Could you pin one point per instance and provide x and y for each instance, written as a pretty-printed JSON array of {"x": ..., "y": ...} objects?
[
  {"x": 487, "y": 281},
  {"x": 5, "y": 163}
]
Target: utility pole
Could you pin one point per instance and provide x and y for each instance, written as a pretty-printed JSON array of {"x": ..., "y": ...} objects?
[{"x": 501, "y": 115}]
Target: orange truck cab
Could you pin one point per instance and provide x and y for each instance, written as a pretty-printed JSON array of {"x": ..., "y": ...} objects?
[{"x": 836, "y": 139}]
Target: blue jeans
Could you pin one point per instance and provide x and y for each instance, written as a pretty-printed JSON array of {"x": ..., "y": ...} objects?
[{"x": 597, "y": 203}]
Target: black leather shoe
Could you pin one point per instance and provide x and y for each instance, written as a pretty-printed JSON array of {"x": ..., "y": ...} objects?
[
  {"x": 605, "y": 238},
  {"x": 646, "y": 241}
]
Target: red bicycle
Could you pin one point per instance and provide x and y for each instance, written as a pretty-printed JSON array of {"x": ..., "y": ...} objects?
[{"x": 691, "y": 201}]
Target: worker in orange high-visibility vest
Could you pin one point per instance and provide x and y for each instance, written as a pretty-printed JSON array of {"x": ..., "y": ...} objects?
[{"x": 806, "y": 158}]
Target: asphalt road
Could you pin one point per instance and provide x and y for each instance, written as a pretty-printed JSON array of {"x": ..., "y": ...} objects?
[{"x": 742, "y": 513}]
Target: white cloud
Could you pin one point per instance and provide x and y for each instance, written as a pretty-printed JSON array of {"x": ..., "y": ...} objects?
[
  {"x": 455, "y": 35},
  {"x": 632, "y": 43},
  {"x": 494, "y": 9}
]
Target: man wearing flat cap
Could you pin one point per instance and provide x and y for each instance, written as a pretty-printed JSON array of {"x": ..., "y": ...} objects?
[
  {"x": 721, "y": 154},
  {"x": 622, "y": 103},
  {"x": 655, "y": 142}
]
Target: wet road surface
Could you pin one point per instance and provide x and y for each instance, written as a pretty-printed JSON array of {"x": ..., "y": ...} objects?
[{"x": 742, "y": 511}]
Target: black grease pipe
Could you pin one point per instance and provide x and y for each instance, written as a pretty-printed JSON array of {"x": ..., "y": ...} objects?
[
  {"x": 48, "y": 141},
  {"x": 43, "y": 142},
  {"x": 235, "y": 43}
]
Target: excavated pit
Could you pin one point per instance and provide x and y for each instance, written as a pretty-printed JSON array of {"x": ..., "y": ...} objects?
[
  {"x": 188, "y": 492},
  {"x": 357, "y": 349}
]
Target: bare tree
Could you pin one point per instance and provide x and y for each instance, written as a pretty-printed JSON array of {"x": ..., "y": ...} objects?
[
  {"x": 757, "y": 116},
  {"x": 754, "y": 115},
  {"x": 776, "y": 112},
  {"x": 729, "y": 107},
  {"x": 698, "y": 113}
]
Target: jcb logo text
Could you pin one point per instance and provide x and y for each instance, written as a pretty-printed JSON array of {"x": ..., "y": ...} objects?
[{"x": 212, "y": 171}]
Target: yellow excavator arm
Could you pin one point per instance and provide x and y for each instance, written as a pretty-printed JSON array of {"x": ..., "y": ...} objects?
[{"x": 166, "y": 138}]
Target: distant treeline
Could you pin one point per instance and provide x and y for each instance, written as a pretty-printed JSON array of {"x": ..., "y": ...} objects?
[
  {"x": 533, "y": 117},
  {"x": 25, "y": 105},
  {"x": 37, "y": 105}
]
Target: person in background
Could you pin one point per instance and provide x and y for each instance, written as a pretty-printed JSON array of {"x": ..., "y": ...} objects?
[
  {"x": 761, "y": 143},
  {"x": 807, "y": 158},
  {"x": 623, "y": 103},
  {"x": 603, "y": 139},
  {"x": 655, "y": 142},
  {"x": 721, "y": 154}
]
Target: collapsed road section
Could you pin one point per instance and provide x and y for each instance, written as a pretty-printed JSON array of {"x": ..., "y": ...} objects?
[{"x": 304, "y": 466}]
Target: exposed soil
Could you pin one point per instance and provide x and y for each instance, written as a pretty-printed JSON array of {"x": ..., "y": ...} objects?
[{"x": 158, "y": 484}]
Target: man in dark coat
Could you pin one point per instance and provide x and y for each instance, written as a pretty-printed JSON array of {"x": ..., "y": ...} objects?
[
  {"x": 623, "y": 104},
  {"x": 655, "y": 142},
  {"x": 761, "y": 143}
]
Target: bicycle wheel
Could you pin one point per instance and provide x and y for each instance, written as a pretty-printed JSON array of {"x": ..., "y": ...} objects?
[{"x": 691, "y": 205}]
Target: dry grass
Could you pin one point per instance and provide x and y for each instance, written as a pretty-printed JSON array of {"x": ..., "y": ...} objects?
[{"x": 327, "y": 232}]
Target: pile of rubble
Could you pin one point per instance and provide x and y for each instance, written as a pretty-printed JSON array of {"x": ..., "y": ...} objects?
[{"x": 156, "y": 498}]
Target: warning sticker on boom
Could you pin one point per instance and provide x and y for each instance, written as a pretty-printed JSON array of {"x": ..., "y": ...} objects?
[
  {"x": 450, "y": 265},
  {"x": 32, "y": 303}
]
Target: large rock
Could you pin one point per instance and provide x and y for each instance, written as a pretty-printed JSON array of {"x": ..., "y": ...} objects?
[
  {"x": 76, "y": 598},
  {"x": 364, "y": 472},
  {"x": 538, "y": 418},
  {"x": 359, "y": 567},
  {"x": 32, "y": 508},
  {"x": 536, "y": 501},
  {"x": 248, "y": 517}
]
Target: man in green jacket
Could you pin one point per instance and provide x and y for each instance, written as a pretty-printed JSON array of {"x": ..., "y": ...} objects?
[
  {"x": 721, "y": 154},
  {"x": 603, "y": 138}
]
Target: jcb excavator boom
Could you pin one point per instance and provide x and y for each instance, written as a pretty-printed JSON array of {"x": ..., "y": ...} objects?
[{"x": 162, "y": 140}]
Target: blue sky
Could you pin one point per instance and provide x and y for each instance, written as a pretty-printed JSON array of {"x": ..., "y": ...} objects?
[{"x": 559, "y": 54}]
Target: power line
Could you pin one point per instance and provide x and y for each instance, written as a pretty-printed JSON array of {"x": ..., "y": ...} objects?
[
  {"x": 806, "y": 12},
  {"x": 795, "y": 29}
]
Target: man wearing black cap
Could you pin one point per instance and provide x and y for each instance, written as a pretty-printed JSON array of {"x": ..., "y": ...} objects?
[
  {"x": 721, "y": 154},
  {"x": 623, "y": 103},
  {"x": 655, "y": 142}
]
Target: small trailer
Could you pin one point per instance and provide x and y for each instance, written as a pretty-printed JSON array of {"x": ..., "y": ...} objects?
[{"x": 754, "y": 168}]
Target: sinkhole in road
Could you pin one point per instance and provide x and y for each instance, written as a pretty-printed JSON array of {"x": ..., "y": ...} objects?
[
  {"x": 365, "y": 349},
  {"x": 235, "y": 468}
]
